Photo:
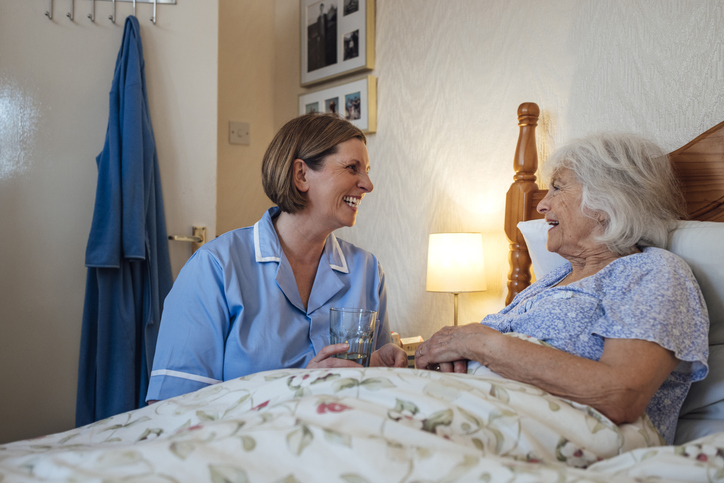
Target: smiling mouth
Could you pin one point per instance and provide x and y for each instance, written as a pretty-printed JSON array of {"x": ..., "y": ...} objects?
[
  {"x": 552, "y": 223},
  {"x": 352, "y": 201}
]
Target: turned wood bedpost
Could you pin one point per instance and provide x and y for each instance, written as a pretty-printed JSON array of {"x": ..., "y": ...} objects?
[{"x": 518, "y": 198}]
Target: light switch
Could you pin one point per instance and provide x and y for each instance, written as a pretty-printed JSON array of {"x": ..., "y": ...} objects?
[{"x": 239, "y": 133}]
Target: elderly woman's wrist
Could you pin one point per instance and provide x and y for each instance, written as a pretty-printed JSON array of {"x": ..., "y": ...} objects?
[{"x": 489, "y": 345}]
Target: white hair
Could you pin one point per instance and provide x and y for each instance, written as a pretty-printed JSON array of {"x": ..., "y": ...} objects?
[{"x": 627, "y": 179}]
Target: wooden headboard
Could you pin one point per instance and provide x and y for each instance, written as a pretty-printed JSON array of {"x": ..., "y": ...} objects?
[{"x": 699, "y": 165}]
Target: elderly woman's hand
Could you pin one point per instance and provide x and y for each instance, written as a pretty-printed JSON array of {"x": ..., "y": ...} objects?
[
  {"x": 451, "y": 347},
  {"x": 389, "y": 355}
]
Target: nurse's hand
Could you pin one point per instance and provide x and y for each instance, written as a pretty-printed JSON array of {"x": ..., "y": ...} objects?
[
  {"x": 389, "y": 355},
  {"x": 325, "y": 357}
]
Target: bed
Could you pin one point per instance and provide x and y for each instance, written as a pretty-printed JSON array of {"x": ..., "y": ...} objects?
[{"x": 378, "y": 424}]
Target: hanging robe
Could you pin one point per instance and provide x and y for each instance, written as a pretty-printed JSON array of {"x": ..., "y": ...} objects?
[{"x": 129, "y": 270}]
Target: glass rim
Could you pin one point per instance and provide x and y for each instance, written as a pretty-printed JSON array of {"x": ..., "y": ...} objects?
[{"x": 351, "y": 310}]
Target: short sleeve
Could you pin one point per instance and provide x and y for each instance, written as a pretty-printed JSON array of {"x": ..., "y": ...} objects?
[
  {"x": 654, "y": 296},
  {"x": 500, "y": 322},
  {"x": 194, "y": 326}
]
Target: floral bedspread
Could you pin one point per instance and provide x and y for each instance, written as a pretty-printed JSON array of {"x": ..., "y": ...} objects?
[{"x": 362, "y": 425}]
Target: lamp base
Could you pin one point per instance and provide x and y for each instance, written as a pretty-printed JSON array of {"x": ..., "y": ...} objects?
[{"x": 455, "y": 318}]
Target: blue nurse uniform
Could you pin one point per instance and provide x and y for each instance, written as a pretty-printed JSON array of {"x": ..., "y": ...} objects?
[{"x": 235, "y": 309}]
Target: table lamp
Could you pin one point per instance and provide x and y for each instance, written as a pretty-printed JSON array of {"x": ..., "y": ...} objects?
[{"x": 455, "y": 264}]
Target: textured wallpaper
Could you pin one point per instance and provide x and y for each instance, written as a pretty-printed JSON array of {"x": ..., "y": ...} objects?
[{"x": 451, "y": 75}]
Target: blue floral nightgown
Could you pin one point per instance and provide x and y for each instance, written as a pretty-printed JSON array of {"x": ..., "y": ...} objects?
[{"x": 651, "y": 295}]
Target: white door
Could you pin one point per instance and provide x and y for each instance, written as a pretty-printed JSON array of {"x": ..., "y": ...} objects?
[{"x": 55, "y": 76}]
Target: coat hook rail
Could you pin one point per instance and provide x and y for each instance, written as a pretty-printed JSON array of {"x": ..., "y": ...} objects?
[
  {"x": 135, "y": 2},
  {"x": 112, "y": 18},
  {"x": 160, "y": 2}
]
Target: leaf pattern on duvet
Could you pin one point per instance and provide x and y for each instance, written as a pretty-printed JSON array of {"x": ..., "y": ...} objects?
[
  {"x": 149, "y": 432},
  {"x": 68, "y": 438},
  {"x": 227, "y": 474},
  {"x": 142, "y": 419},
  {"x": 248, "y": 443},
  {"x": 237, "y": 404},
  {"x": 376, "y": 383},
  {"x": 115, "y": 459},
  {"x": 204, "y": 416},
  {"x": 288, "y": 479},
  {"x": 498, "y": 392},
  {"x": 299, "y": 439},
  {"x": 353, "y": 478},
  {"x": 182, "y": 449},
  {"x": 476, "y": 421},
  {"x": 440, "y": 418},
  {"x": 554, "y": 406},
  {"x": 346, "y": 383}
]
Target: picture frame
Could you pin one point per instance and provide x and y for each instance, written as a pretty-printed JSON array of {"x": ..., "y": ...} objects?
[
  {"x": 338, "y": 38},
  {"x": 355, "y": 101}
]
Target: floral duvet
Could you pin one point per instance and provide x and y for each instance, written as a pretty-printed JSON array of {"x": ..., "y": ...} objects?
[{"x": 362, "y": 425}]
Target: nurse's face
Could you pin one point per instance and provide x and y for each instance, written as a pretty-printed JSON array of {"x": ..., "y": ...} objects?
[{"x": 336, "y": 191}]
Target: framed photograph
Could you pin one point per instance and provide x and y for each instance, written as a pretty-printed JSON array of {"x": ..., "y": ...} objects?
[
  {"x": 338, "y": 38},
  {"x": 355, "y": 101}
]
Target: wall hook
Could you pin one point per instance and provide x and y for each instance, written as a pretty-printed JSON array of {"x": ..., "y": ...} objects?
[
  {"x": 49, "y": 12},
  {"x": 112, "y": 18},
  {"x": 153, "y": 19},
  {"x": 92, "y": 15},
  {"x": 72, "y": 10},
  {"x": 134, "y": 8}
]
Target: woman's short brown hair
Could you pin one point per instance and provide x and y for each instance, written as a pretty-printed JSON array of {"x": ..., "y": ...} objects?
[{"x": 311, "y": 138}]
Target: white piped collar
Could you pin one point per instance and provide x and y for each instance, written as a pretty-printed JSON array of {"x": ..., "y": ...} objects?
[{"x": 267, "y": 247}]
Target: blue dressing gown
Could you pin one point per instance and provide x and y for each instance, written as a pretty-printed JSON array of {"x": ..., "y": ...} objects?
[{"x": 129, "y": 269}]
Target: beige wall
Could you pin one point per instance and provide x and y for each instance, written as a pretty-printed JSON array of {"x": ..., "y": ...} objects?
[
  {"x": 451, "y": 75},
  {"x": 246, "y": 93},
  {"x": 55, "y": 77}
]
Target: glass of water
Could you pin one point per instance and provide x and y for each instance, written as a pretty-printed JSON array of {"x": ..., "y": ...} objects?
[{"x": 355, "y": 327}]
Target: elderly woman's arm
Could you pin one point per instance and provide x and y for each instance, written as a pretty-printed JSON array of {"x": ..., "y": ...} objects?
[{"x": 619, "y": 385}]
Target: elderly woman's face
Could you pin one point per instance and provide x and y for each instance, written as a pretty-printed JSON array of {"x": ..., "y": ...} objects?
[
  {"x": 572, "y": 233},
  {"x": 336, "y": 190}
]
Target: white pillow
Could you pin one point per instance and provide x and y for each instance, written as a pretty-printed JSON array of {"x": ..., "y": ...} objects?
[
  {"x": 699, "y": 243},
  {"x": 535, "y": 233}
]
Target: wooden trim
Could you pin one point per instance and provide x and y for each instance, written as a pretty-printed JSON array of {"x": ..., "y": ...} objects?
[{"x": 519, "y": 198}]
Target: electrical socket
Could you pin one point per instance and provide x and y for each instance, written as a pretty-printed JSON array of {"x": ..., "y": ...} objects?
[{"x": 239, "y": 133}]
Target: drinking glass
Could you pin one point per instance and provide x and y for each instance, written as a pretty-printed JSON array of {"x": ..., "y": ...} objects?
[{"x": 355, "y": 327}]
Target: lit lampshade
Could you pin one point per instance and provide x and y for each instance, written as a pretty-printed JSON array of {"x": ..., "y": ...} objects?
[{"x": 455, "y": 264}]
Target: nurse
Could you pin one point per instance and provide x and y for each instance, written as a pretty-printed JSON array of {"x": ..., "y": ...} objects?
[{"x": 258, "y": 298}]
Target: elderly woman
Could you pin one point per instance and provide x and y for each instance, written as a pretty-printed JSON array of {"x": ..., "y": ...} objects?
[
  {"x": 626, "y": 319},
  {"x": 258, "y": 298}
]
